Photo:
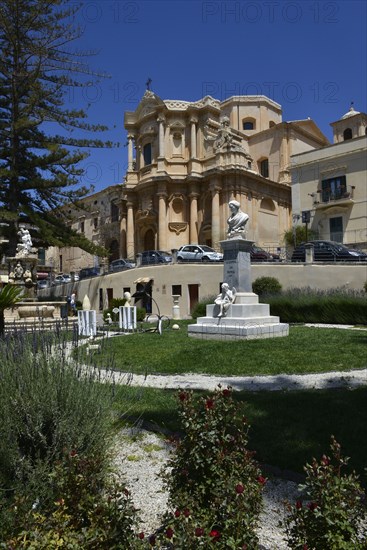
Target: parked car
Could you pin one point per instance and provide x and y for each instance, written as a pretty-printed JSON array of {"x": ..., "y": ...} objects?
[
  {"x": 89, "y": 272},
  {"x": 329, "y": 251},
  {"x": 43, "y": 283},
  {"x": 258, "y": 254},
  {"x": 198, "y": 253},
  {"x": 121, "y": 264},
  {"x": 61, "y": 279},
  {"x": 149, "y": 257},
  {"x": 75, "y": 276}
]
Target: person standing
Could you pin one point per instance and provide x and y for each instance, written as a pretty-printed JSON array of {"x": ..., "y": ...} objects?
[{"x": 73, "y": 303}]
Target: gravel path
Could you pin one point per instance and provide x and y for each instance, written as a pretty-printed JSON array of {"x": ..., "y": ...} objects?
[{"x": 279, "y": 382}]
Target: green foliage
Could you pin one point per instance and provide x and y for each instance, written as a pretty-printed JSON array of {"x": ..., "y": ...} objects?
[
  {"x": 39, "y": 168},
  {"x": 9, "y": 296},
  {"x": 365, "y": 286},
  {"x": 330, "y": 519},
  {"x": 47, "y": 405},
  {"x": 266, "y": 285},
  {"x": 199, "y": 310},
  {"x": 214, "y": 483},
  {"x": 89, "y": 510},
  {"x": 312, "y": 306},
  {"x": 297, "y": 235}
]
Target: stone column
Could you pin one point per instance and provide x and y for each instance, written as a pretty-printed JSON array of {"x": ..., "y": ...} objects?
[
  {"x": 193, "y": 122},
  {"x": 130, "y": 156},
  {"x": 215, "y": 189},
  {"x": 123, "y": 231},
  {"x": 161, "y": 120},
  {"x": 130, "y": 231},
  {"x": 162, "y": 218},
  {"x": 193, "y": 217}
]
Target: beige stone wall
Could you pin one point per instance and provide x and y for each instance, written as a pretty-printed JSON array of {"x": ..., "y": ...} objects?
[{"x": 205, "y": 280}]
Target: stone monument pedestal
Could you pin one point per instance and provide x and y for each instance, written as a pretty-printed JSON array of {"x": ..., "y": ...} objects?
[{"x": 246, "y": 318}]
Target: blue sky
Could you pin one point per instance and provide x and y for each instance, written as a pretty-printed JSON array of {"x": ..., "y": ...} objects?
[{"x": 309, "y": 56}]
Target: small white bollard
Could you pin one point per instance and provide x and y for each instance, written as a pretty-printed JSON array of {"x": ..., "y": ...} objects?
[
  {"x": 87, "y": 322},
  {"x": 127, "y": 318},
  {"x": 176, "y": 314}
]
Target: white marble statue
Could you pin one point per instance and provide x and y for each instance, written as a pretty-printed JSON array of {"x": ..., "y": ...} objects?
[
  {"x": 25, "y": 245},
  {"x": 225, "y": 299},
  {"x": 237, "y": 220},
  {"x": 127, "y": 297}
]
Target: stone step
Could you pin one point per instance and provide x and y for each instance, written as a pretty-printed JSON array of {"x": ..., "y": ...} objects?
[
  {"x": 228, "y": 332},
  {"x": 239, "y": 321}
]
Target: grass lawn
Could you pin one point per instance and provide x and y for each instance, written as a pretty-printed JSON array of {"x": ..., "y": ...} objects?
[
  {"x": 287, "y": 428},
  {"x": 305, "y": 350}
]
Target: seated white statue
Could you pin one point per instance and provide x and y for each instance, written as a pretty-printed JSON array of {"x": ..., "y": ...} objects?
[
  {"x": 225, "y": 299},
  {"x": 238, "y": 219}
]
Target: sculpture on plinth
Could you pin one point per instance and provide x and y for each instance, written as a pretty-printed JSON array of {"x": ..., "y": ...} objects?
[
  {"x": 237, "y": 220},
  {"x": 24, "y": 248},
  {"x": 225, "y": 299}
]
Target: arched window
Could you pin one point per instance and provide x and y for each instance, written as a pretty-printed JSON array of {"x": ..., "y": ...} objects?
[
  {"x": 347, "y": 134},
  {"x": 264, "y": 168},
  {"x": 147, "y": 154},
  {"x": 249, "y": 124}
]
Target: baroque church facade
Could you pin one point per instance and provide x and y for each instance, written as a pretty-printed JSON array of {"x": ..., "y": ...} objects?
[{"x": 186, "y": 161}]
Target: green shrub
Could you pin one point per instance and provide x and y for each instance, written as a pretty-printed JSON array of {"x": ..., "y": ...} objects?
[
  {"x": 214, "y": 483},
  {"x": 199, "y": 310},
  {"x": 297, "y": 235},
  {"x": 365, "y": 286},
  {"x": 311, "y": 306},
  {"x": 89, "y": 510},
  {"x": 266, "y": 285},
  {"x": 47, "y": 405},
  {"x": 331, "y": 516}
]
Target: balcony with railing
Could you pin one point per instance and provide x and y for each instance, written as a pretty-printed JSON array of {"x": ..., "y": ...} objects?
[{"x": 338, "y": 196}]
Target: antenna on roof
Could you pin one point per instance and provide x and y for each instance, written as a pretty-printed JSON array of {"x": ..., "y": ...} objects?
[{"x": 148, "y": 83}]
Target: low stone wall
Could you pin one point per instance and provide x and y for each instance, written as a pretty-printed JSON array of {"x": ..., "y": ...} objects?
[
  {"x": 34, "y": 311},
  {"x": 202, "y": 280}
]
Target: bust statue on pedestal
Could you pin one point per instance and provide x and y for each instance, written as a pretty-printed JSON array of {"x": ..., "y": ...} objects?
[{"x": 237, "y": 220}]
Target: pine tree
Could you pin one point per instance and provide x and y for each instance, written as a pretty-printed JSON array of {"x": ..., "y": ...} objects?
[{"x": 39, "y": 155}]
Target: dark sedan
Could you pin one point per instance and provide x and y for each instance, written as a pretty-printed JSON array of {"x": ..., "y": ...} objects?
[{"x": 329, "y": 251}]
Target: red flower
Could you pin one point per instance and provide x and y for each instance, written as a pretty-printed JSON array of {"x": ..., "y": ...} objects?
[
  {"x": 215, "y": 534},
  {"x": 226, "y": 392},
  {"x": 182, "y": 396},
  {"x": 141, "y": 535},
  {"x": 169, "y": 533},
  {"x": 209, "y": 404},
  {"x": 305, "y": 547},
  {"x": 239, "y": 488},
  {"x": 261, "y": 480},
  {"x": 324, "y": 460},
  {"x": 73, "y": 453},
  {"x": 199, "y": 531},
  {"x": 312, "y": 506},
  {"x": 186, "y": 512},
  {"x": 177, "y": 513},
  {"x": 152, "y": 540},
  {"x": 244, "y": 546},
  {"x": 299, "y": 504}
]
